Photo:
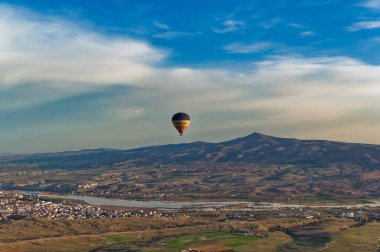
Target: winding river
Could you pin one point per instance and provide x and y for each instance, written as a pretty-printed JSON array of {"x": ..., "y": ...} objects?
[{"x": 210, "y": 205}]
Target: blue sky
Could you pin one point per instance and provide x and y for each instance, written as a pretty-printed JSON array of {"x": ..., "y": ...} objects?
[
  {"x": 87, "y": 74},
  {"x": 200, "y": 31}
]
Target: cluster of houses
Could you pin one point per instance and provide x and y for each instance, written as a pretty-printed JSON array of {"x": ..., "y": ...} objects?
[
  {"x": 14, "y": 205},
  {"x": 360, "y": 216}
]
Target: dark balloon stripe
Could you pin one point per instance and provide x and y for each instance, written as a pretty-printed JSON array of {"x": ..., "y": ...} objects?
[{"x": 180, "y": 116}]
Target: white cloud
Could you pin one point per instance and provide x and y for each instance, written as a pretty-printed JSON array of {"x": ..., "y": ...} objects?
[
  {"x": 307, "y": 33},
  {"x": 230, "y": 26},
  {"x": 364, "y": 25},
  {"x": 372, "y": 4},
  {"x": 129, "y": 113},
  {"x": 161, "y": 25},
  {"x": 331, "y": 97},
  {"x": 249, "y": 48},
  {"x": 35, "y": 49},
  {"x": 296, "y": 25}
]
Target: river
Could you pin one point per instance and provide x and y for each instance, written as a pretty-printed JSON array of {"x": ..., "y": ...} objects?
[
  {"x": 163, "y": 205},
  {"x": 208, "y": 205}
]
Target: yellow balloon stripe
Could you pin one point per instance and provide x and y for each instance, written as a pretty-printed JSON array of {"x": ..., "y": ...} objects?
[{"x": 181, "y": 125}]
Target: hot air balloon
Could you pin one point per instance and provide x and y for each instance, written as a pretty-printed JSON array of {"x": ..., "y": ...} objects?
[{"x": 181, "y": 121}]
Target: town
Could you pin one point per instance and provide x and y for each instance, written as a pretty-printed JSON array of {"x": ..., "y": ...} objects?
[
  {"x": 14, "y": 206},
  {"x": 17, "y": 205}
]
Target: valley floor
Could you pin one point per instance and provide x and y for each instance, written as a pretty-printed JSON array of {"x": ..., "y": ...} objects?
[{"x": 141, "y": 234}]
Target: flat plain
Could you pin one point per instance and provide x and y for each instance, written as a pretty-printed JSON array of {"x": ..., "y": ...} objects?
[{"x": 206, "y": 234}]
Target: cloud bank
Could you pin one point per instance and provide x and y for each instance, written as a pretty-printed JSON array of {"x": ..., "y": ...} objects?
[
  {"x": 64, "y": 86},
  {"x": 249, "y": 48},
  {"x": 364, "y": 25},
  {"x": 373, "y": 4}
]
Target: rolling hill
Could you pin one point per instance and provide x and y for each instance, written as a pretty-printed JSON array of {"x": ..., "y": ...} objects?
[
  {"x": 254, "y": 148},
  {"x": 255, "y": 167}
]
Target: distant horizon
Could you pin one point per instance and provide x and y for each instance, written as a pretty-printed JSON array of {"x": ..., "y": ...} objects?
[{"x": 214, "y": 142}]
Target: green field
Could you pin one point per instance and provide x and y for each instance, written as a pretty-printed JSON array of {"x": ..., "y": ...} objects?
[
  {"x": 196, "y": 240},
  {"x": 172, "y": 235},
  {"x": 222, "y": 241},
  {"x": 117, "y": 238},
  {"x": 364, "y": 238}
]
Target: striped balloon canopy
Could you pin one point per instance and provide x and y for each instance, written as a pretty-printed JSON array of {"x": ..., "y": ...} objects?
[{"x": 181, "y": 121}]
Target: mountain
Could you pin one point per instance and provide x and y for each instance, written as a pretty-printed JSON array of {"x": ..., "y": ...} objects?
[
  {"x": 254, "y": 148},
  {"x": 255, "y": 167}
]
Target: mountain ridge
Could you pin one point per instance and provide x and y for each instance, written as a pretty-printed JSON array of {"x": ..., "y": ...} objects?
[
  {"x": 254, "y": 134},
  {"x": 255, "y": 167},
  {"x": 253, "y": 148}
]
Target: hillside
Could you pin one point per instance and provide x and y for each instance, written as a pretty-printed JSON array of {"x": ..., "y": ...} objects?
[
  {"x": 254, "y": 148},
  {"x": 255, "y": 167}
]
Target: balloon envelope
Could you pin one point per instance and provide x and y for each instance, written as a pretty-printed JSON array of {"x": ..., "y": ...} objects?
[{"x": 181, "y": 121}]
